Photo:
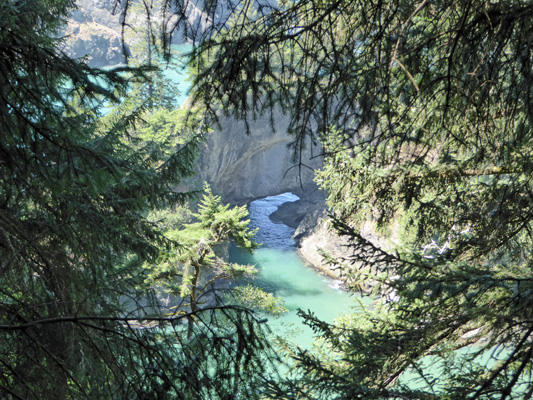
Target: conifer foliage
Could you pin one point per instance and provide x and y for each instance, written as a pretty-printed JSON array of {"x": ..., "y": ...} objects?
[
  {"x": 191, "y": 271},
  {"x": 425, "y": 111},
  {"x": 76, "y": 319}
]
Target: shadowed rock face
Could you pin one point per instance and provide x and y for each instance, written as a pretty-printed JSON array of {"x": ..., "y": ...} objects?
[
  {"x": 242, "y": 168},
  {"x": 245, "y": 167},
  {"x": 290, "y": 213}
]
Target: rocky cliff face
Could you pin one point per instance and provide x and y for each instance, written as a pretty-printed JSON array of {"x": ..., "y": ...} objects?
[
  {"x": 313, "y": 234},
  {"x": 101, "y": 45},
  {"x": 247, "y": 167},
  {"x": 94, "y": 31},
  {"x": 244, "y": 167}
]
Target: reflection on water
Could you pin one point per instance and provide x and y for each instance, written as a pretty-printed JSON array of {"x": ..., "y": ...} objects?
[{"x": 284, "y": 274}]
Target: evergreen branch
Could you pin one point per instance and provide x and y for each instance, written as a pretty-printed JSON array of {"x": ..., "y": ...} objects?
[
  {"x": 454, "y": 173},
  {"x": 77, "y": 319},
  {"x": 506, "y": 364}
]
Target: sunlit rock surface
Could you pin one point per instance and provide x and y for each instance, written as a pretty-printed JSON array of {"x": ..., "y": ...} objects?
[
  {"x": 94, "y": 31},
  {"x": 101, "y": 45}
]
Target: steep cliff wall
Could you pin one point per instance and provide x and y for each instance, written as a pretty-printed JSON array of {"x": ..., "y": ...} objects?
[
  {"x": 246, "y": 167},
  {"x": 101, "y": 45},
  {"x": 93, "y": 31}
]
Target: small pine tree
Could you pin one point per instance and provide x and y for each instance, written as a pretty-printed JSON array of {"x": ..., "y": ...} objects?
[{"x": 195, "y": 266}]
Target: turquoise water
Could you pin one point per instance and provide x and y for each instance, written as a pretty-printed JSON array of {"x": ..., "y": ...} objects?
[
  {"x": 176, "y": 71},
  {"x": 283, "y": 273},
  {"x": 179, "y": 75}
]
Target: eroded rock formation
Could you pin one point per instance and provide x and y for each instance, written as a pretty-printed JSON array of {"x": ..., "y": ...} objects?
[
  {"x": 244, "y": 167},
  {"x": 95, "y": 30},
  {"x": 101, "y": 45}
]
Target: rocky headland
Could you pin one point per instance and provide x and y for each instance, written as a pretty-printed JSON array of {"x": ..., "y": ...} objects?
[{"x": 94, "y": 31}]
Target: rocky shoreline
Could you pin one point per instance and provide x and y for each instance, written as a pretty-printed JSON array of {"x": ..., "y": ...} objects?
[
  {"x": 310, "y": 220},
  {"x": 94, "y": 31},
  {"x": 240, "y": 165}
]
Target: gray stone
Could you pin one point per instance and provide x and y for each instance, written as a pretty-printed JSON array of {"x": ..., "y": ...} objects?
[
  {"x": 102, "y": 46},
  {"x": 246, "y": 167},
  {"x": 290, "y": 214}
]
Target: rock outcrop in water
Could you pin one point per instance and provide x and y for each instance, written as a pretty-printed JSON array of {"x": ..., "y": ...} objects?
[{"x": 313, "y": 234}]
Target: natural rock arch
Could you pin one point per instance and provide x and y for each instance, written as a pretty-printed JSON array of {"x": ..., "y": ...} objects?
[{"x": 244, "y": 167}]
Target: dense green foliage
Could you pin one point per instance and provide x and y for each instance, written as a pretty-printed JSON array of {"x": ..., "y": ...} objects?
[
  {"x": 76, "y": 317},
  {"x": 425, "y": 111},
  {"x": 191, "y": 271}
]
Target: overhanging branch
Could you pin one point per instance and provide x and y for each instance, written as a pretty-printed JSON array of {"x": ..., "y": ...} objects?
[{"x": 127, "y": 320}]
